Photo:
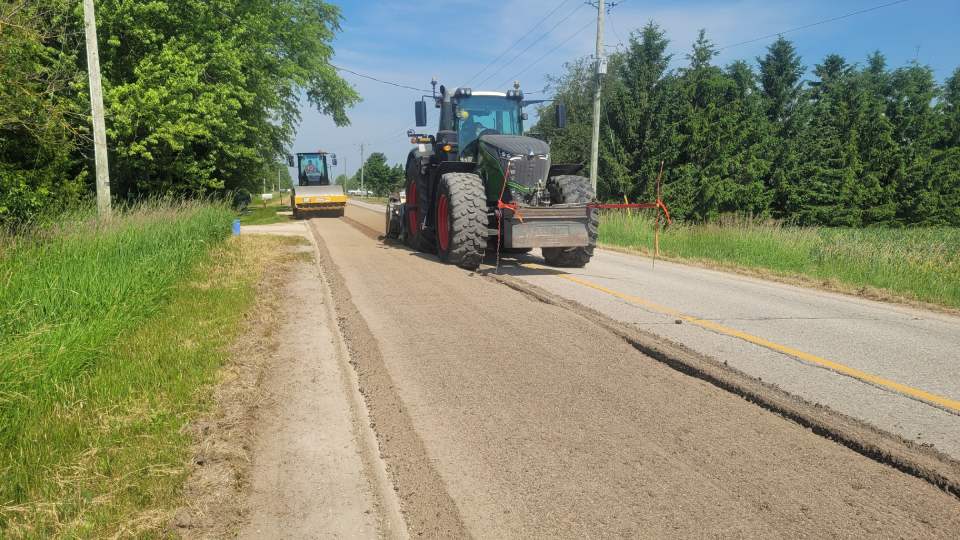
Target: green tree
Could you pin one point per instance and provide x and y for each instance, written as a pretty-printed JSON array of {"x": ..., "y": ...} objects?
[
  {"x": 945, "y": 168},
  {"x": 40, "y": 167},
  {"x": 780, "y": 73},
  {"x": 781, "y": 70},
  {"x": 636, "y": 133},
  {"x": 201, "y": 93},
  {"x": 949, "y": 108},
  {"x": 855, "y": 146},
  {"x": 916, "y": 131},
  {"x": 378, "y": 176},
  {"x": 720, "y": 166}
]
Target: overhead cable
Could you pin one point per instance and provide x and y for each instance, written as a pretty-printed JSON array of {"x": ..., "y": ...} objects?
[
  {"x": 548, "y": 53},
  {"x": 531, "y": 45},
  {"x": 523, "y": 37},
  {"x": 398, "y": 85},
  {"x": 811, "y": 25}
]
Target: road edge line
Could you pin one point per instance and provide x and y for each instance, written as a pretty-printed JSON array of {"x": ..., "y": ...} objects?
[{"x": 925, "y": 463}]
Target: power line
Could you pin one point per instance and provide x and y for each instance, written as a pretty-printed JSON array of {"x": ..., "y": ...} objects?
[
  {"x": 824, "y": 21},
  {"x": 548, "y": 53},
  {"x": 393, "y": 134},
  {"x": 525, "y": 36},
  {"x": 614, "y": 28},
  {"x": 398, "y": 85},
  {"x": 535, "y": 42}
]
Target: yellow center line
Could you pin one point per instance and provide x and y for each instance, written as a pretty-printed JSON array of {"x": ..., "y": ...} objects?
[{"x": 951, "y": 405}]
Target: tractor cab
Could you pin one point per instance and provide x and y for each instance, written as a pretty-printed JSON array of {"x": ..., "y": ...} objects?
[
  {"x": 485, "y": 113},
  {"x": 466, "y": 115}
]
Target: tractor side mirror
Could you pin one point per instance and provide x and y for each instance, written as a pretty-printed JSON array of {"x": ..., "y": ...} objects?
[
  {"x": 560, "y": 112},
  {"x": 290, "y": 162},
  {"x": 333, "y": 159},
  {"x": 420, "y": 110}
]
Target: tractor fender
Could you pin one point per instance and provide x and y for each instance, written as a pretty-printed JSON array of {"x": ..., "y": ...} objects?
[
  {"x": 564, "y": 169},
  {"x": 422, "y": 153}
]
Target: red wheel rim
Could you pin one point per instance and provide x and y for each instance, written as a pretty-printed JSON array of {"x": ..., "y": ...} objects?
[
  {"x": 411, "y": 208},
  {"x": 443, "y": 223}
]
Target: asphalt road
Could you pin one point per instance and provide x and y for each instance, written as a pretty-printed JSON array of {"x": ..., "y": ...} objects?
[
  {"x": 892, "y": 366},
  {"x": 501, "y": 416}
]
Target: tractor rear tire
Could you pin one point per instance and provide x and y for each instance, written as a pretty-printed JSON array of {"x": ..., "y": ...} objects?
[
  {"x": 393, "y": 224},
  {"x": 461, "y": 220},
  {"x": 418, "y": 200},
  {"x": 568, "y": 189}
]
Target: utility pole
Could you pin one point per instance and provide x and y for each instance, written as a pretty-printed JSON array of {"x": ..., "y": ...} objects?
[
  {"x": 601, "y": 69},
  {"x": 362, "y": 163},
  {"x": 96, "y": 110}
]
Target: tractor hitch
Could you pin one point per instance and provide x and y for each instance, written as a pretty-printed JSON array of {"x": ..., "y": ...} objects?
[{"x": 555, "y": 226}]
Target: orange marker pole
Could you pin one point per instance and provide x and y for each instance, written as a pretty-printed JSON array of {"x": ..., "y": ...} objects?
[{"x": 656, "y": 227}]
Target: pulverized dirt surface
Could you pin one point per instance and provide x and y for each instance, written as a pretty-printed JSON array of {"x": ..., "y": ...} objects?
[
  {"x": 307, "y": 475},
  {"x": 500, "y": 416}
]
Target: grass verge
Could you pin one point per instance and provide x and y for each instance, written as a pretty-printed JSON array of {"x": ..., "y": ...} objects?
[
  {"x": 108, "y": 335},
  {"x": 262, "y": 212},
  {"x": 919, "y": 264}
]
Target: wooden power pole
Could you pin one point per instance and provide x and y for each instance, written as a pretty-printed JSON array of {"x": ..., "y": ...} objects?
[
  {"x": 96, "y": 109},
  {"x": 362, "y": 163},
  {"x": 601, "y": 69}
]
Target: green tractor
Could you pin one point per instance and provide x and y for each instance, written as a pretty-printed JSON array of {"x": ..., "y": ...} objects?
[{"x": 479, "y": 185}]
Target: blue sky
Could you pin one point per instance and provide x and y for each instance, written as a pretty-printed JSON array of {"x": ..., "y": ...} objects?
[{"x": 405, "y": 42}]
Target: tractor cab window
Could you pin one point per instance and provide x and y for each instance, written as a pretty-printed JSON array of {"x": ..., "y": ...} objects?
[
  {"x": 313, "y": 170},
  {"x": 482, "y": 115}
]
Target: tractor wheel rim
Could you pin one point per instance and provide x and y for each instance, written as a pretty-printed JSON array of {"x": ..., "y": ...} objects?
[
  {"x": 443, "y": 223},
  {"x": 411, "y": 213}
]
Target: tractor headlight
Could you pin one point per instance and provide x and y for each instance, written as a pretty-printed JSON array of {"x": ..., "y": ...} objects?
[{"x": 504, "y": 154}]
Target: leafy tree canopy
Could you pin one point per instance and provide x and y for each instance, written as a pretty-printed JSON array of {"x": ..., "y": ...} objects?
[{"x": 202, "y": 96}]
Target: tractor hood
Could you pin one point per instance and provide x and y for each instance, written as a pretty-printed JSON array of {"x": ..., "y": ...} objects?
[
  {"x": 516, "y": 145},
  {"x": 527, "y": 159}
]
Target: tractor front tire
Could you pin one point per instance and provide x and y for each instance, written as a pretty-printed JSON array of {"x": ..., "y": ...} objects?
[
  {"x": 461, "y": 220},
  {"x": 568, "y": 189}
]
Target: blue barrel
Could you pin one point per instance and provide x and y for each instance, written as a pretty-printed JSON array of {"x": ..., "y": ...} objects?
[{"x": 236, "y": 227}]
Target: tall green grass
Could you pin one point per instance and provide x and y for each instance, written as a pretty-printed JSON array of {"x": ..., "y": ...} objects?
[
  {"x": 74, "y": 302},
  {"x": 916, "y": 263}
]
